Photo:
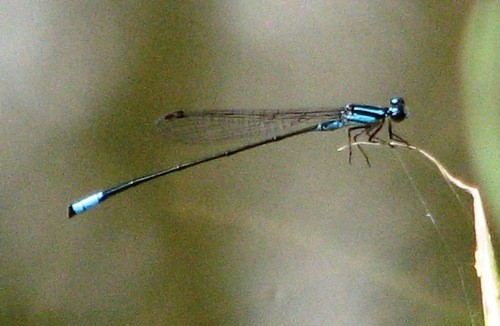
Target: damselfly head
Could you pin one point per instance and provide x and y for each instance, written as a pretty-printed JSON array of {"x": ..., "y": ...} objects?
[{"x": 397, "y": 110}]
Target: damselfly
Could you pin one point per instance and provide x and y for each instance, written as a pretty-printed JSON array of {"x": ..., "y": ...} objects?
[{"x": 274, "y": 125}]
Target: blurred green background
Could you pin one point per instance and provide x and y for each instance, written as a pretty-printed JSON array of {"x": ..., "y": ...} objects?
[{"x": 284, "y": 234}]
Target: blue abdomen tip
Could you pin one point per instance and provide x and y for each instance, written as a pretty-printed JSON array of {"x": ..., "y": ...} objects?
[{"x": 85, "y": 204}]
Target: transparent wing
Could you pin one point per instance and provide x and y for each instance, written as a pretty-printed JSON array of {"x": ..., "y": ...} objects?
[{"x": 206, "y": 126}]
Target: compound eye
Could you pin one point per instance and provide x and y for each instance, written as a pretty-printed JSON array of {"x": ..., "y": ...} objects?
[
  {"x": 397, "y": 101},
  {"x": 397, "y": 109}
]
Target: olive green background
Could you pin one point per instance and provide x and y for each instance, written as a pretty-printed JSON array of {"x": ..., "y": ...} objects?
[{"x": 288, "y": 233}]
